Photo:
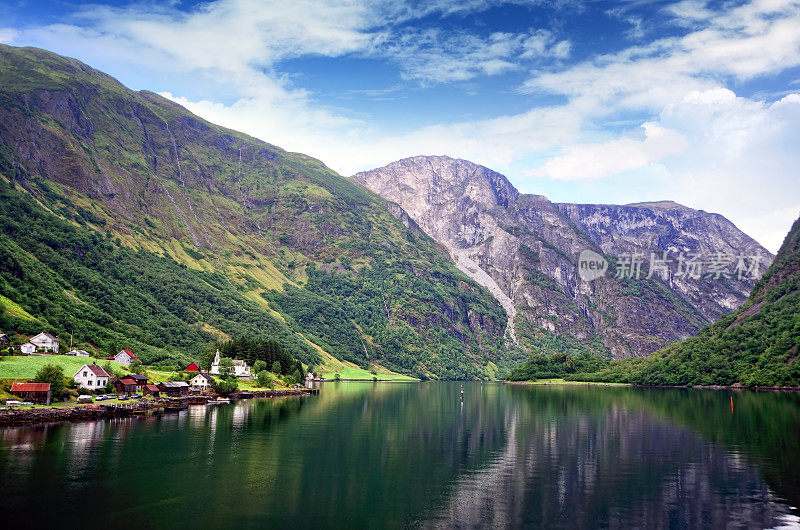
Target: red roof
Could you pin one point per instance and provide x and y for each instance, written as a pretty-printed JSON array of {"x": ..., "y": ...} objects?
[
  {"x": 133, "y": 355},
  {"x": 152, "y": 388},
  {"x": 30, "y": 387},
  {"x": 192, "y": 368}
]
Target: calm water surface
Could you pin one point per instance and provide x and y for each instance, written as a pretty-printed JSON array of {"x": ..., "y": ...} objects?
[{"x": 399, "y": 455}]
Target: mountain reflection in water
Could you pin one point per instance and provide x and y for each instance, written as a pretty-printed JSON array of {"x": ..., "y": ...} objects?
[{"x": 364, "y": 454}]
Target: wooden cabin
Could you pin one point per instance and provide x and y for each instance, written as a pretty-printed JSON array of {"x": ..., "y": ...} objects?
[
  {"x": 174, "y": 388},
  {"x": 33, "y": 392}
]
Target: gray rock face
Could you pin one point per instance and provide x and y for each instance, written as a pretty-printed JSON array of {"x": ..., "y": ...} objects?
[
  {"x": 656, "y": 227},
  {"x": 525, "y": 250}
]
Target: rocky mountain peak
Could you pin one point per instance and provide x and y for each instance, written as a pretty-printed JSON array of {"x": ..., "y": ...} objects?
[
  {"x": 442, "y": 179},
  {"x": 525, "y": 249}
]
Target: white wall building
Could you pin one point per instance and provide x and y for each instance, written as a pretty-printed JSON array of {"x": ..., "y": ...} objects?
[
  {"x": 201, "y": 382},
  {"x": 126, "y": 357},
  {"x": 46, "y": 342},
  {"x": 240, "y": 368},
  {"x": 91, "y": 376},
  {"x": 27, "y": 348}
]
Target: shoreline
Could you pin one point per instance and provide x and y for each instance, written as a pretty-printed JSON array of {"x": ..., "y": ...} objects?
[
  {"x": 630, "y": 385},
  {"x": 95, "y": 411}
]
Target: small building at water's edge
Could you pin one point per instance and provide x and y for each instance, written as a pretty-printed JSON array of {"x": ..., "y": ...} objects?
[
  {"x": 201, "y": 382},
  {"x": 174, "y": 388}
]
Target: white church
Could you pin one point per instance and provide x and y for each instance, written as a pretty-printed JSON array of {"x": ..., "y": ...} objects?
[{"x": 240, "y": 368}]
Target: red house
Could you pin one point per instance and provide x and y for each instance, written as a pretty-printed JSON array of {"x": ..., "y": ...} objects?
[
  {"x": 192, "y": 368},
  {"x": 130, "y": 384}
]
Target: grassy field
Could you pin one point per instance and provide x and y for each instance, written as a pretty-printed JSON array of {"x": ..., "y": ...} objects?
[
  {"x": 556, "y": 381},
  {"x": 354, "y": 372},
  {"x": 331, "y": 366},
  {"x": 14, "y": 309},
  {"x": 25, "y": 367}
]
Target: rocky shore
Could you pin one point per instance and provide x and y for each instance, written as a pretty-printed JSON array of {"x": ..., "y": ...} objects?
[{"x": 101, "y": 411}]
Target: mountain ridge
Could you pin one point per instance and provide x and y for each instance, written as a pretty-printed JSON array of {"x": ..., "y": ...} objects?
[
  {"x": 321, "y": 258},
  {"x": 529, "y": 246}
]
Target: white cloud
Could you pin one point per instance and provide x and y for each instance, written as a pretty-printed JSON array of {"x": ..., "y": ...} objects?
[
  {"x": 743, "y": 160},
  {"x": 437, "y": 56},
  {"x": 7, "y": 35},
  {"x": 754, "y": 39},
  {"x": 542, "y": 43},
  {"x": 598, "y": 160},
  {"x": 235, "y": 35},
  {"x": 711, "y": 149},
  {"x": 690, "y": 12}
]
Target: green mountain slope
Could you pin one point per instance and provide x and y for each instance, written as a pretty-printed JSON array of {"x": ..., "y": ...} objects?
[
  {"x": 134, "y": 221},
  {"x": 755, "y": 346}
]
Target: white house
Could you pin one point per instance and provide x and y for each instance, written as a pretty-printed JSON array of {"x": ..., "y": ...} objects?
[
  {"x": 240, "y": 368},
  {"x": 201, "y": 382},
  {"x": 91, "y": 376},
  {"x": 46, "y": 342},
  {"x": 78, "y": 353},
  {"x": 27, "y": 348},
  {"x": 126, "y": 357}
]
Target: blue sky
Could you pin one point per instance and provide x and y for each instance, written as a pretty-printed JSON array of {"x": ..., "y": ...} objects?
[{"x": 582, "y": 101}]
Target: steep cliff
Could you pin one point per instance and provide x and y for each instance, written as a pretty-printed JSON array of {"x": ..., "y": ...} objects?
[
  {"x": 755, "y": 346},
  {"x": 667, "y": 226},
  {"x": 525, "y": 250}
]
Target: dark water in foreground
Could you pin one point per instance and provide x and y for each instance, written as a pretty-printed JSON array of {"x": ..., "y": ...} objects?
[{"x": 373, "y": 455}]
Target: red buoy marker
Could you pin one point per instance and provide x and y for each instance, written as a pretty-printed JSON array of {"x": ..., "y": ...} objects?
[{"x": 731, "y": 404}]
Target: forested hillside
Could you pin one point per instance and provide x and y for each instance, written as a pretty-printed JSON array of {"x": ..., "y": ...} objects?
[
  {"x": 756, "y": 346},
  {"x": 129, "y": 220}
]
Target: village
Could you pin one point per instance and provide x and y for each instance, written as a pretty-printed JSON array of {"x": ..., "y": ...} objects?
[{"x": 122, "y": 383}]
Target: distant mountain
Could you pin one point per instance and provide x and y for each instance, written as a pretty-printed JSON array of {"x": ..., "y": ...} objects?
[
  {"x": 129, "y": 220},
  {"x": 667, "y": 226},
  {"x": 755, "y": 346},
  {"x": 525, "y": 250}
]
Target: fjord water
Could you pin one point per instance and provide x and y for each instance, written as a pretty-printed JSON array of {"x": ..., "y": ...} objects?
[{"x": 405, "y": 454}]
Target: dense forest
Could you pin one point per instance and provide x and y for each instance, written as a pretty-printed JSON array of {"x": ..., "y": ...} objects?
[
  {"x": 74, "y": 279},
  {"x": 366, "y": 316},
  {"x": 253, "y": 350}
]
